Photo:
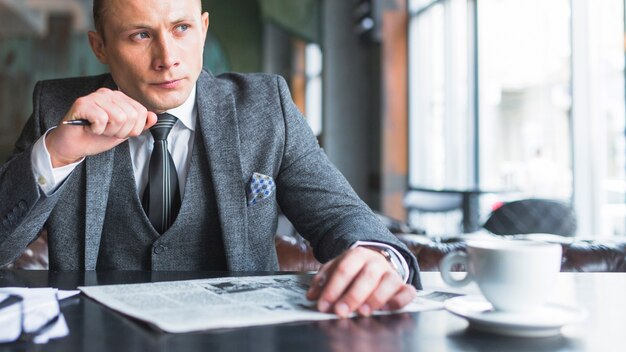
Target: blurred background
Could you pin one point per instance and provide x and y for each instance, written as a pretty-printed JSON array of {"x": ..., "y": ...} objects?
[{"x": 438, "y": 112}]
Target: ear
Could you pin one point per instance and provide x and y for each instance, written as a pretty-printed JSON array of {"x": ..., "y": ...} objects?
[
  {"x": 97, "y": 46},
  {"x": 205, "y": 24}
]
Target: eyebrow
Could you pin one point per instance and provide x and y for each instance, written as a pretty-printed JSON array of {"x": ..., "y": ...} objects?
[
  {"x": 146, "y": 26},
  {"x": 182, "y": 19},
  {"x": 133, "y": 27}
]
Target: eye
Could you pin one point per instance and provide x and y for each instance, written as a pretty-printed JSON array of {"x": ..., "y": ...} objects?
[
  {"x": 140, "y": 36},
  {"x": 182, "y": 27}
]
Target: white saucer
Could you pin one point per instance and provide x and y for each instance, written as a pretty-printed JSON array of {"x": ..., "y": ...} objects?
[{"x": 546, "y": 321}]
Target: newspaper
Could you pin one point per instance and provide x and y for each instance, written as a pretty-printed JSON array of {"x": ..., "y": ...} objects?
[{"x": 193, "y": 305}]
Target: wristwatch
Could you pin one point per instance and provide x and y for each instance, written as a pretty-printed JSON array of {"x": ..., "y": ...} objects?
[{"x": 390, "y": 255}]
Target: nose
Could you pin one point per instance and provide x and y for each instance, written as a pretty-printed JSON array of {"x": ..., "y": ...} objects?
[{"x": 164, "y": 54}]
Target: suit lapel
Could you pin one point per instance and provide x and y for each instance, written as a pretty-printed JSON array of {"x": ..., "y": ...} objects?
[
  {"x": 220, "y": 134},
  {"x": 99, "y": 169}
]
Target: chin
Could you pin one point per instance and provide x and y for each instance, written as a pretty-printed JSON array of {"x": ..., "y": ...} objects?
[{"x": 165, "y": 103}]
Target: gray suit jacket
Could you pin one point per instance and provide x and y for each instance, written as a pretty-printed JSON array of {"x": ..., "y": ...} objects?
[{"x": 251, "y": 124}]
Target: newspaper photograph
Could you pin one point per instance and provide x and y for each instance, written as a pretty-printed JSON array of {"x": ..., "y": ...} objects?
[{"x": 193, "y": 305}]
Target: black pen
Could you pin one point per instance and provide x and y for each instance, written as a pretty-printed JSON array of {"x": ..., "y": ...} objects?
[{"x": 79, "y": 122}]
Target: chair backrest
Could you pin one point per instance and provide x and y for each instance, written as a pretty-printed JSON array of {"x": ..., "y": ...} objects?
[
  {"x": 436, "y": 212},
  {"x": 433, "y": 201},
  {"x": 533, "y": 216}
]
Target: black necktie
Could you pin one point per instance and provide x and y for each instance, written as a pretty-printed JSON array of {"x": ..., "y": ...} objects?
[{"x": 161, "y": 198}]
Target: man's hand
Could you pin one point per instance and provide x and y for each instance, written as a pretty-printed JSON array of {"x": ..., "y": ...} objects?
[
  {"x": 114, "y": 118},
  {"x": 360, "y": 280}
]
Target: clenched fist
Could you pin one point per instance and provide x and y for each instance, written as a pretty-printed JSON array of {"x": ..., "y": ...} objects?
[{"x": 114, "y": 118}]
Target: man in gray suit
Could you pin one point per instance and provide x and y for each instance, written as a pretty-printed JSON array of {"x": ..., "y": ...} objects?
[{"x": 230, "y": 151}]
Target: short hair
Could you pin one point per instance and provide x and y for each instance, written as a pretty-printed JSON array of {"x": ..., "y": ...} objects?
[{"x": 98, "y": 14}]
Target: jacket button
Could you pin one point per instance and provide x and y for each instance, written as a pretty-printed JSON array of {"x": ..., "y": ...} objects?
[
  {"x": 23, "y": 206},
  {"x": 159, "y": 249}
]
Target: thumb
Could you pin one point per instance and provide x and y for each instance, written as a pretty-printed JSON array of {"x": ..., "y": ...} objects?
[{"x": 151, "y": 120}]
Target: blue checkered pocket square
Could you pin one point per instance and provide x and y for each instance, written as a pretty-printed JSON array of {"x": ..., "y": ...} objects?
[{"x": 259, "y": 187}]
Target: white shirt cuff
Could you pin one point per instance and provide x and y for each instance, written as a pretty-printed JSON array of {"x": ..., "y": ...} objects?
[
  {"x": 47, "y": 177},
  {"x": 404, "y": 267}
]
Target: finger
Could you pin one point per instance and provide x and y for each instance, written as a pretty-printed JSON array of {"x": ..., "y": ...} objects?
[
  {"x": 139, "y": 126},
  {"x": 340, "y": 278},
  {"x": 86, "y": 108},
  {"x": 116, "y": 116},
  {"x": 317, "y": 285},
  {"x": 403, "y": 297},
  {"x": 389, "y": 285},
  {"x": 122, "y": 110},
  {"x": 145, "y": 119},
  {"x": 362, "y": 287},
  {"x": 151, "y": 120},
  {"x": 126, "y": 128},
  {"x": 319, "y": 280},
  {"x": 131, "y": 114}
]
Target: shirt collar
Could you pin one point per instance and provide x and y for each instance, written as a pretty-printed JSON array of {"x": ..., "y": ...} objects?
[{"x": 188, "y": 111}]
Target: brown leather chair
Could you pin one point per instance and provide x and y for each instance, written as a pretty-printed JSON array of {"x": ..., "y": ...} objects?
[
  {"x": 295, "y": 254},
  {"x": 579, "y": 255},
  {"x": 35, "y": 257}
]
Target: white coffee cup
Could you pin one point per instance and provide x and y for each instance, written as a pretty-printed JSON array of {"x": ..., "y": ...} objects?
[{"x": 514, "y": 275}]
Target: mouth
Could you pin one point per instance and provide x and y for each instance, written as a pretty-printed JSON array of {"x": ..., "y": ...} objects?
[{"x": 168, "y": 84}]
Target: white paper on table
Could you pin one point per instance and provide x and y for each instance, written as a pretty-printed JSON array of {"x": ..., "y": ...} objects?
[
  {"x": 10, "y": 321},
  {"x": 58, "y": 329},
  {"x": 192, "y": 305},
  {"x": 63, "y": 294},
  {"x": 39, "y": 307}
]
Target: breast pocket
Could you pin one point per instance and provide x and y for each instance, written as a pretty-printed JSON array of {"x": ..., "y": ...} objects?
[
  {"x": 262, "y": 222},
  {"x": 262, "y": 216}
]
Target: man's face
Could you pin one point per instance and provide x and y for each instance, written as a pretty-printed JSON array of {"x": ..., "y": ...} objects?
[{"x": 153, "y": 48}]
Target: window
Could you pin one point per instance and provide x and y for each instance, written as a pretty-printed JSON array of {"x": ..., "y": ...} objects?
[
  {"x": 313, "y": 98},
  {"x": 524, "y": 98},
  {"x": 440, "y": 145}
]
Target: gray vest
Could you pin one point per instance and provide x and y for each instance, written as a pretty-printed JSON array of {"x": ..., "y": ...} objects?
[{"x": 193, "y": 242}]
